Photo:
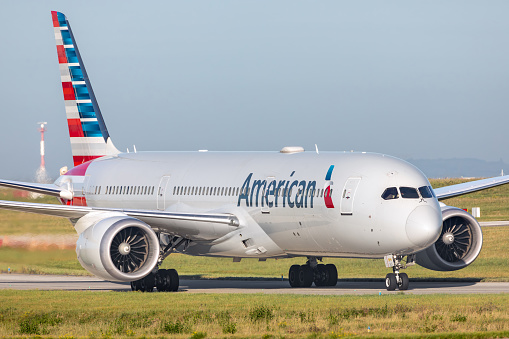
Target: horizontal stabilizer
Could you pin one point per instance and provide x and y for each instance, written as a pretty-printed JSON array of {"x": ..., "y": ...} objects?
[{"x": 48, "y": 189}]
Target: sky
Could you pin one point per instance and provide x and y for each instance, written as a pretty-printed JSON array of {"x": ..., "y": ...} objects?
[{"x": 412, "y": 79}]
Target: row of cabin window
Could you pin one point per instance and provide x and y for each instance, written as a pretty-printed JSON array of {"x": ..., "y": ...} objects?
[
  {"x": 222, "y": 191},
  {"x": 128, "y": 190},
  {"x": 232, "y": 191}
]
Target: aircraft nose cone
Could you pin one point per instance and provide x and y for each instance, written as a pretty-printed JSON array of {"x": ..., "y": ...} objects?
[{"x": 424, "y": 225}]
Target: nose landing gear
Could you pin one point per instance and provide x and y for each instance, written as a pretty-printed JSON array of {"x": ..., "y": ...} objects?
[{"x": 397, "y": 280}]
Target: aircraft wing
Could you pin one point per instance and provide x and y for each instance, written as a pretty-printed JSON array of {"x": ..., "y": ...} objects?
[
  {"x": 148, "y": 216},
  {"x": 469, "y": 187},
  {"x": 49, "y": 189}
]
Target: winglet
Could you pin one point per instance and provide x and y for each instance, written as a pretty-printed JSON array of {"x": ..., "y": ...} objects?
[{"x": 89, "y": 136}]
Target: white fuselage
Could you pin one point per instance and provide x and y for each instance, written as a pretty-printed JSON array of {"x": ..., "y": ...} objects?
[{"x": 287, "y": 204}]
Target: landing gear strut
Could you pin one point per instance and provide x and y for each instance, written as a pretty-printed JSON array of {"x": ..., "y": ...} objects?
[
  {"x": 164, "y": 280},
  {"x": 398, "y": 280},
  {"x": 320, "y": 274}
]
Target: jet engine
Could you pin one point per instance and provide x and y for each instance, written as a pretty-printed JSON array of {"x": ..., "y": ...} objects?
[
  {"x": 459, "y": 243},
  {"x": 117, "y": 247}
]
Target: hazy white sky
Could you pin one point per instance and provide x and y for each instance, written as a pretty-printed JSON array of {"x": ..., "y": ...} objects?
[{"x": 412, "y": 79}]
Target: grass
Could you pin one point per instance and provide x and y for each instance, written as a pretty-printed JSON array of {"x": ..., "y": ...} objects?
[
  {"x": 12, "y": 222},
  {"x": 118, "y": 314}
]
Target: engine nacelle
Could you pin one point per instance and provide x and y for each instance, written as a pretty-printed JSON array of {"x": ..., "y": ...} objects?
[
  {"x": 459, "y": 243},
  {"x": 116, "y": 247}
]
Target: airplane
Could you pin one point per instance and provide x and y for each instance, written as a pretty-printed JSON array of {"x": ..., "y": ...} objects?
[{"x": 132, "y": 210}]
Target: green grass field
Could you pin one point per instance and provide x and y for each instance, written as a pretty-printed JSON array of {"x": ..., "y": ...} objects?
[{"x": 180, "y": 315}]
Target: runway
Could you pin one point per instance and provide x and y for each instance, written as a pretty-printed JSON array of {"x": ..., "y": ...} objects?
[{"x": 73, "y": 283}]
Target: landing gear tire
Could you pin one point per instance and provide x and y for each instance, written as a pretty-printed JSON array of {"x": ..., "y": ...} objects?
[
  {"x": 161, "y": 280},
  {"x": 174, "y": 280},
  {"x": 403, "y": 282},
  {"x": 293, "y": 276},
  {"x": 333, "y": 274},
  {"x": 390, "y": 282},
  {"x": 167, "y": 280},
  {"x": 144, "y": 285},
  {"x": 321, "y": 275},
  {"x": 305, "y": 276},
  {"x": 135, "y": 286}
]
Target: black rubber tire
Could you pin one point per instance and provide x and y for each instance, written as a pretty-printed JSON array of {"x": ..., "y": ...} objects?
[
  {"x": 333, "y": 274},
  {"x": 167, "y": 281},
  {"x": 404, "y": 282},
  {"x": 305, "y": 276},
  {"x": 174, "y": 280},
  {"x": 320, "y": 275},
  {"x": 150, "y": 282},
  {"x": 293, "y": 276},
  {"x": 134, "y": 287},
  {"x": 390, "y": 282},
  {"x": 142, "y": 285},
  {"x": 160, "y": 280}
]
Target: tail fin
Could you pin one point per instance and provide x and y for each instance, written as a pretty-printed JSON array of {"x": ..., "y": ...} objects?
[{"x": 89, "y": 137}]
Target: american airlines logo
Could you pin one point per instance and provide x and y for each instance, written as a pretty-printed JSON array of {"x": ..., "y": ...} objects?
[
  {"x": 327, "y": 196},
  {"x": 271, "y": 193}
]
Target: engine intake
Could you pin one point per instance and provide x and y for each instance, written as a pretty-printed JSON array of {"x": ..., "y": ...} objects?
[
  {"x": 118, "y": 248},
  {"x": 459, "y": 243}
]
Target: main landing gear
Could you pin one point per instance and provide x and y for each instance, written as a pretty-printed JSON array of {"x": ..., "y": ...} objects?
[
  {"x": 163, "y": 280},
  {"x": 397, "y": 280},
  {"x": 305, "y": 275}
]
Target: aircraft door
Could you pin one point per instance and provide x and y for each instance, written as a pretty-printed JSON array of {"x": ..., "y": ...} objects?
[
  {"x": 161, "y": 192},
  {"x": 348, "y": 195}
]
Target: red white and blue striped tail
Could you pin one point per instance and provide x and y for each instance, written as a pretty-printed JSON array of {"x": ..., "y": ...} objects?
[{"x": 89, "y": 136}]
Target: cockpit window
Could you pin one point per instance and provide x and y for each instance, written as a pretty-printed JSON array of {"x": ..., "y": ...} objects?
[
  {"x": 409, "y": 193},
  {"x": 425, "y": 192},
  {"x": 390, "y": 193}
]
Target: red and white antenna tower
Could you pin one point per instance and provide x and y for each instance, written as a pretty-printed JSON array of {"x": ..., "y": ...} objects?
[
  {"x": 42, "y": 129},
  {"x": 41, "y": 175}
]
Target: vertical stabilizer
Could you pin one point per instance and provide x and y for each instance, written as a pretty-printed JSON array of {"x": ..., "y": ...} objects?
[{"x": 89, "y": 136}]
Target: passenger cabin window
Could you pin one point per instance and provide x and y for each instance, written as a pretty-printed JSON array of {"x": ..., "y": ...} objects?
[
  {"x": 409, "y": 193},
  {"x": 390, "y": 193},
  {"x": 425, "y": 192}
]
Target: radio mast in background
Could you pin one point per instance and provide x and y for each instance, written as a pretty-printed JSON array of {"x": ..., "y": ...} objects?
[{"x": 41, "y": 175}]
